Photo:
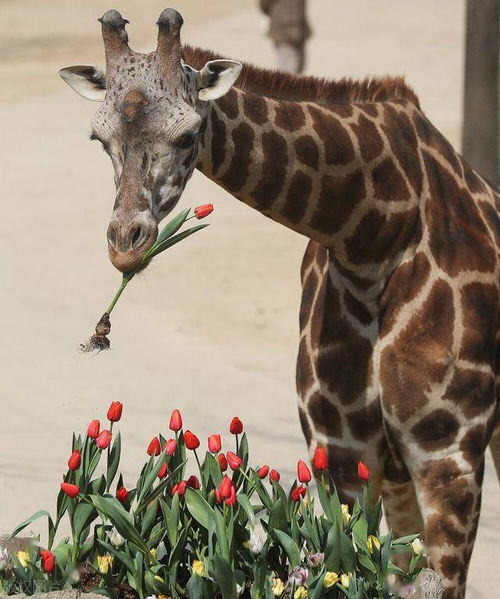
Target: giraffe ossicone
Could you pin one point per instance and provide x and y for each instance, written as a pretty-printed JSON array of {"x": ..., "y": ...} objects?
[{"x": 399, "y": 322}]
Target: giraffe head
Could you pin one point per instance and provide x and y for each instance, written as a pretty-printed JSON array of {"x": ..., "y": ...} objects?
[{"x": 152, "y": 107}]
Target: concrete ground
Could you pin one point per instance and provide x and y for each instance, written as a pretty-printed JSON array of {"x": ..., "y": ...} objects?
[{"x": 212, "y": 327}]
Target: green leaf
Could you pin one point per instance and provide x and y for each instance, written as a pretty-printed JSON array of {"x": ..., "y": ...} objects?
[
  {"x": 112, "y": 509},
  {"x": 222, "y": 536},
  {"x": 290, "y": 547},
  {"x": 332, "y": 552},
  {"x": 199, "y": 508},
  {"x": 114, "y": 460},
  {"x": 161, "y": 247},
  {"x": 244, "y": 501},
  {"x": 83, "y": 516},
  {"x": 173, "y": 226},
  {"x": 122, "y": 556},
  {"x": 31, "y": 519},
  {"x": 224, "y": 577}
]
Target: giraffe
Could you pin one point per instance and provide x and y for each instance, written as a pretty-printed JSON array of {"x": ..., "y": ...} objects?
[{"x": 398, "y": 320}]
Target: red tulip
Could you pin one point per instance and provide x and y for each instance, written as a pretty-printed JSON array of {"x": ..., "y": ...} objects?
[
  {"x": 231, "y": 500},
  {"x": 363, "y": 471},
  {"x": 70, "y": 490},
  {"x": 202, "y": 211},
  {"x": 222, "y": 462},
  {"x": 75, "y": 460},
  {"x": 181, "y": 488},
  {"x": 297, "y": 493},
  {"x": 162, "y": 471},
  {"x": 236, "y": 426},
  {"x": 115, "y": 411},
  {"x": 48, "y": 561},
  {"x": 320, "y": 459},
  {"x": 191, "y": 440},
  {"x": 170, "y": 446},
  {"x": 193, "y": 482},
  {"x": 214, "y": 444},
  {"x": 217, "y": 496},
  {"x": 303, "y": 472},
  {"x": 93, "y": 429},
  {"x": 122, "y": 494},
  {"x": 263, "y": 471},
  {"x": 175, "y": 421},
  {"x": 103, "y": 439},
  {"x": 225, "y": 487},
  {"x": 274, "y": 475},
  {"x": 154, "y": 447},
  {"x": 234, "y": 461}
]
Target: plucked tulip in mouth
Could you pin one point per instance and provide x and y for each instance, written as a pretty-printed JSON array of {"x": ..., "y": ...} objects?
[{"x": 168, "y": 237}]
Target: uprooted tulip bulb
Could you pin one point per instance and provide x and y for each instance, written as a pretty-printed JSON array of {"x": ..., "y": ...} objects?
[{"x": 168, "y": 237}]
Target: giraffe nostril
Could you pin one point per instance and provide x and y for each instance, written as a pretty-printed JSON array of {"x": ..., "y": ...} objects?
[
  {"x": 112, "y": 236},
  {"x": 136, "y": 236}
]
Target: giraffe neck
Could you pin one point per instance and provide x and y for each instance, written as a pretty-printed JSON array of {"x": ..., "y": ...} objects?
[{"x": 326, "y": 172}]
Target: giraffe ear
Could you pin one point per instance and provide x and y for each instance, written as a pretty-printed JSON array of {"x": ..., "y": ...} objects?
[
  {"x": 216, "y": 78},
  {"x": 89, "y": 82}
]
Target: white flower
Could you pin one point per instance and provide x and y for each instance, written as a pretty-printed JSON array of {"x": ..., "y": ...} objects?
[
  {"x": 4, "y": 559},
  {"x": 74, "y": 577},
  {"x": 417, "y": 546},
  {"x": 315, "y": 559},
  {"x": 255, "y": 543},
  {"x": 299, "y": 576},
  {"x": 115, "y": 538}
]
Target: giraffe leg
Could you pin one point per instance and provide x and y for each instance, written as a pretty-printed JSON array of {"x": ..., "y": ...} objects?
[
  {"x": 449, "y": 495},
  {"x": 495, "y": 450}
]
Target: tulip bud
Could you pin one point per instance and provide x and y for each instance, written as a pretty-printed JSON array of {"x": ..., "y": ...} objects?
[
  {"x": 70, "y": 490},
  {"x": 225, "y": 487},
  {"x": 363, "y": 471},
  {"x": 93, "y": 429},
  {"x": 222, "y": 462},
  {"x": 234, "y": 461},
  {"x": 75, "y": 460},
  {"x": 193, "y": 482},
  {"x": 231, "y": 500},
  {"x": 214, "y": 444},
  {"x": 162, "y": 471},
  {"x": 122, "y": 494},
  {"x": 48, "y": 561},
  {"x": 263, "y": 471},
  {"x": 202, "y": 211},
  {"x": 115, "y": 538},
  {"x": 181, "y": 488},
  {"x": 154, "y": 447},
  {"x": 274, "y": 475},
  {"x": 175, "y": 421},
  {"x": 170, "y": 446},
  {"x": 303, "y": 472},
  {"x": 103, "y": 439},
  {"x": 297, "y": 493},
  {"x": 320, "y": 459},
  {"x": 115, "y": 411},
  {"x": 191, "y": 440},
  {"x": 236, "y": 426}
]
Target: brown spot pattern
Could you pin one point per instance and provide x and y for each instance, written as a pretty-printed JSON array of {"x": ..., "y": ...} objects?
[
  {"x": 365, "y": 423},
  {"x": 388, "y": 183},
  {"x": 289, "y": 116},
  {"x": 420, "y": 353},
  {"x": 472, "y": 391},
  {"x": 307, "y": 151},
  {"x": 436, "y": 430},
  {"x": 236, "y": 175},
  {"x": 369, "y": 139},
  {"x": 324, "y": 415},
  {"x": 336, "y": 141},
  {"x": 218, "y": 141},
  {"x": 480, "y": 308},
  {"x": 255, "y": 108},
  {"x": 273, "y": 173},
  {"x": 229, "y": 104},
  {"x": 297, "y": 197}
]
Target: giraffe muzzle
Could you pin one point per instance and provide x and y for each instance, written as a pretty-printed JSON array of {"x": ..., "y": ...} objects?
[{"x": 128, "y": 240}]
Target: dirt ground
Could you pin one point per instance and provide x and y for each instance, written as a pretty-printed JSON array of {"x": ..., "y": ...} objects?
[{"x": 212, "y": 327}]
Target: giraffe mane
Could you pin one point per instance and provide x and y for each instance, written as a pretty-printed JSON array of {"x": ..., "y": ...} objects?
[{"x": 307, "y": 88}]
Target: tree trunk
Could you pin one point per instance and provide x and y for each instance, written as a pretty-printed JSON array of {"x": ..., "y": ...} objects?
[{"x": 481, "y": 127}]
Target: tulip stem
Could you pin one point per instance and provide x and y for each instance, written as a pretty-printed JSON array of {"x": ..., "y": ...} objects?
[
  {"x": 237, "y": 444},
  {"x": 199, "y": 465},
  {"x": 125, "y": 282}
]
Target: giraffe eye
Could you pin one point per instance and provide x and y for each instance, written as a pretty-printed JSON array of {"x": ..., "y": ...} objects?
[{"x": 186, "y": 140}]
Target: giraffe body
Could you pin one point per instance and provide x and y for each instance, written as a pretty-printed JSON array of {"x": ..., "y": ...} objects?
[{"x": 399, "y": 314}]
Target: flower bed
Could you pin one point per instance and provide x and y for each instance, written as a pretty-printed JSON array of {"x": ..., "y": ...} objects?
[{"x": 231, "y": 530}]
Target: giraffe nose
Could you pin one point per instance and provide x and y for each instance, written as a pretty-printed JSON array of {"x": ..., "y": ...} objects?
[{"x": 129, "y": 240}]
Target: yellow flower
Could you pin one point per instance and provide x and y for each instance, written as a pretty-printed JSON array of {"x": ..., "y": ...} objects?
[
  {"x": 417, "y": 546},
  {"x": 246, "y": 544},
  {"x": 23, "y": 557},
  {"x": 199, "y": 567},
  {"x": 372, "y": 541},
  {"x": 344, "y": 580},
  {"x": 164, "y": 597},
  {"x": 104, "y": 562},
  {"x": 346, "y": 516},
  {"x": 300, "y": 593},
  {"x": 278, "y": 587},
  {"x": 330, "y": 579},
  {"x": 153, "y": 552}
]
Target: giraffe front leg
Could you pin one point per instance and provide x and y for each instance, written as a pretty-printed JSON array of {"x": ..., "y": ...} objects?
[{"x": 449, "y": 495}]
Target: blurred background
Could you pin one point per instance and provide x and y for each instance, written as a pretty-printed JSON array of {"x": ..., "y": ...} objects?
[{"x": 212, "y": 328}]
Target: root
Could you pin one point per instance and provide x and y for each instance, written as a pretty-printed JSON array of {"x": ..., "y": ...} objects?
[{"x": 99, "y": 341}]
